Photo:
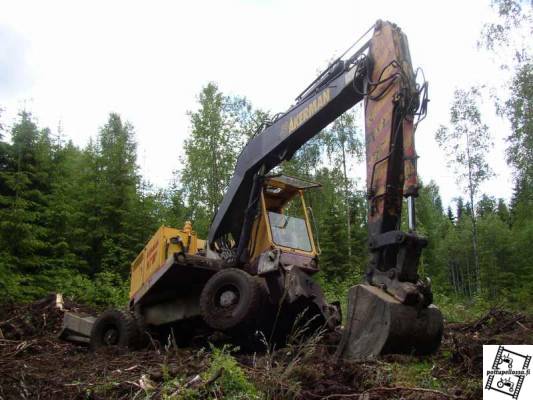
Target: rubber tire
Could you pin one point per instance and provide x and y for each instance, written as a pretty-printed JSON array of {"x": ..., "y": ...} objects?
[
  {"x": 244, "y": 312},
  {"x": 123, "y": 322}
]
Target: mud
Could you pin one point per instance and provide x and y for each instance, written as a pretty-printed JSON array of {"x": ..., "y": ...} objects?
[{"x": 35, "y": 364}]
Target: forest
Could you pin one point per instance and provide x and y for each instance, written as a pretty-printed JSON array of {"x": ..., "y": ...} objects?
[{"x": 72, "y": 218}]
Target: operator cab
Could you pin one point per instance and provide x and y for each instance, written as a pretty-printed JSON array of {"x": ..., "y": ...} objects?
[{"x": 283, "y": 222}]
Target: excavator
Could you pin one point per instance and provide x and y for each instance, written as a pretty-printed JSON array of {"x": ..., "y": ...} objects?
[{"x": 255, "y": 270}]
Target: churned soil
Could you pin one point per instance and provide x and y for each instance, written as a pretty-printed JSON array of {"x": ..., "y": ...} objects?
[{"x": 35, "y": 364}]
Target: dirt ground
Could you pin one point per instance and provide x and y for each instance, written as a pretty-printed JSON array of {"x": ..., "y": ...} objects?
[{"x": 35, "y": 364}]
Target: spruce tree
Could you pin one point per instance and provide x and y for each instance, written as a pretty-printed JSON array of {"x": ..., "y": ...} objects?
[
  {"x": 334, "y": 261},
  {"x": 25, "y": 185},
  {"x": 118, "y": 182}
]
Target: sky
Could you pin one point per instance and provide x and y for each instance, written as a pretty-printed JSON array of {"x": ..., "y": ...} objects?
[{"x": 73, "y": 62}]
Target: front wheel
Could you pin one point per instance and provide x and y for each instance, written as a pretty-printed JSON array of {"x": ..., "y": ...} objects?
[
  {"x": 230, "y": 300},
  {"x": 114, "y": 328}
]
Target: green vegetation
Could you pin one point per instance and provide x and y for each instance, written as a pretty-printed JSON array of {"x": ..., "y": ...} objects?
[
  {"x": 223, "y": 378},
  {"x": 414, "y": 373},
  {"x": 233, "y": 383},
  {"x": 70, "y": 219}
]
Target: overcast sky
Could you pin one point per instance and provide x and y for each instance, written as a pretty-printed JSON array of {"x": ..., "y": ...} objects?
[{"x": 75, "y": 62}]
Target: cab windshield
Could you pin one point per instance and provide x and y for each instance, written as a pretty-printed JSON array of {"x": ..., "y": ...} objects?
[{"x": 289, "y": 229}]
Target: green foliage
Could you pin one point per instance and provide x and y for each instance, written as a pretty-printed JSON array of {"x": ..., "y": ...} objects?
[
  {"x": 336, "y": 288},
  {"x": 71, "y": 220},
  {"x": 105, "y": 289},
  {"x": 233, "y": 383},
  {"x": 466, "y": 145},
  {"x": 334, "y": 257},
  {"x": 24, "y": 186},
  {"x": 219, "y": 129},
  {"x": 479, "y": 256},
  {"x": 467, "y": 142},
  {"x": 459, "y": 308},
  {"x": 511, "y": 32},
  {"x": 343, "y": 139},
  {"x": 514, "y": 16},
  {"x": 517, "y": 108},
  {"x": 432, "y": 223},
  {"x": 503, "y": 258}
]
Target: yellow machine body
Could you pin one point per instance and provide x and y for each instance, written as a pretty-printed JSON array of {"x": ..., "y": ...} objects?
[{"x": 165, "y": 242}]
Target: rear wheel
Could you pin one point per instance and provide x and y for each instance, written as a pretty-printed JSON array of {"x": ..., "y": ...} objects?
[
  {"x": 230, "y": 300},
  {"x": 114, "y": 328}
]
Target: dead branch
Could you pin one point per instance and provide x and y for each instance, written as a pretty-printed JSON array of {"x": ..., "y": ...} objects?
[
  {"x": 391, "y": 389},
  {"x": 522, "y": 326},
  {"x": 364, "y": 395}
]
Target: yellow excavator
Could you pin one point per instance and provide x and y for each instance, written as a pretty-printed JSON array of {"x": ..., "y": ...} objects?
[{"x": 255, "y": 270}]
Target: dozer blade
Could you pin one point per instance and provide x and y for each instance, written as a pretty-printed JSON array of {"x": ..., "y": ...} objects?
[{"x": 377, "y": 323}]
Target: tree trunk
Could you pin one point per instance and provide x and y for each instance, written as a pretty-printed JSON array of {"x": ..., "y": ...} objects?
[
  {"x": 471, "y": 193},
  {"x": 455, "y": 282},
  {"x": 347, "y": 203},
  {"x": 476, "y": 256},
  {"x": 468, "y": 281}
]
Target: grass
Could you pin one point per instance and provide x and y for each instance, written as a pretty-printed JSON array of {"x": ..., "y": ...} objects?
[
  {"x": 457, "y": 309},
  {"x": 417, "y": 373}
]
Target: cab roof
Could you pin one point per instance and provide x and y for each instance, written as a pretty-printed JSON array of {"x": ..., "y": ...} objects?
[{"x": 290, "y": 183}]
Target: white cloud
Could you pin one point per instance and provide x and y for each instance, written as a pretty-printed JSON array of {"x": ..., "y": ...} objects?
[{"x": 148, "y": 61}]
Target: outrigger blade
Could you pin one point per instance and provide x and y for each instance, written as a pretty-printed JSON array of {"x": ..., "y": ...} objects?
[{"x": 377, "y": 323}]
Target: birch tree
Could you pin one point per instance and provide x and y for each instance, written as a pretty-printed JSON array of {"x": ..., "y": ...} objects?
[{"x": 466, "y": 143}]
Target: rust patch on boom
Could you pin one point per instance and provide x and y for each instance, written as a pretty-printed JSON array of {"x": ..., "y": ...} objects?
[{"x": 389, "y": 128}]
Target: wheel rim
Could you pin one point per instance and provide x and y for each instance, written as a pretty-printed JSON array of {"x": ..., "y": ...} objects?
[
  {"x": 227, "y": 297},
  {"x": 111, "y": 337}
]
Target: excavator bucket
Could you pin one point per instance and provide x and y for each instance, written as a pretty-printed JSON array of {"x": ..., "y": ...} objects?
[{"x": 377, "y": 323}]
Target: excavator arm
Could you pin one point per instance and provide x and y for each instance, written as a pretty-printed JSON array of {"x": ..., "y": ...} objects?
[
  {"x": 380, "y": 73},
  {"x": 391, "y": 311}
]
